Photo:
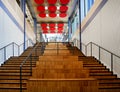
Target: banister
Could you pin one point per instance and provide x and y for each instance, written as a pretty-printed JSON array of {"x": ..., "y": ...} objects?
[
  {"x": 7, "y": 45},
  {"x": 24, "y": 61},
  {"x": 112, "y": 55},
  {"x": 105, "y": 49}
]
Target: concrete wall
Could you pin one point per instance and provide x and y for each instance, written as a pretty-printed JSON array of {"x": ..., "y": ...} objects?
[
  {"x": 104, "y": 31},
  {"x": 11, "y": 27}
]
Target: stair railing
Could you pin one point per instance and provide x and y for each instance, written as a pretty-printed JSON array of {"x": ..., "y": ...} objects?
[
  {"x": 12, "y": 49},
  {"x": 9, "y": 50},
  {"x": 108, "y": 58},
  {"x": 28, "y": 58},
  {"x": 57, "y": 48}
]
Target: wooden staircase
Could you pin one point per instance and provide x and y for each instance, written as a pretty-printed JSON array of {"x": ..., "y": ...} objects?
[
  {"x": 60, "y": 68},
  {"x": 108, "y": 82},
  {"x": 60, "y": 71},
  {"x": 10, "y": 71}
]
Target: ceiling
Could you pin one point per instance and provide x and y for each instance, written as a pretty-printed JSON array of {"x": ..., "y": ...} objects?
[{"x": 52, "y": 15}]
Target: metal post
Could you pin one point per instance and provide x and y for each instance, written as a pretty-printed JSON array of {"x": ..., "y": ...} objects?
[
  {"x": 4, "y": 53},
  {"x": 13, "y": 48},
  {"x": 24, "y": 12},
  {"x": 112, "y": 62},
  {"x": 86, "y": 50},
  {"x": 99, "y": 53},
  {"x": 91, "y": 48},
  {"x": 68, "y": 29},
  {"x": 35, "y": 28},
  {"x": 21, "y": 78},
  {"x": 18, "y": 50},
  {"x": 31, "y": 64},
  {"x": 79, "y": 2},
  {"x": 57, "y": 49},
  {"x": 84, "y": 8}
]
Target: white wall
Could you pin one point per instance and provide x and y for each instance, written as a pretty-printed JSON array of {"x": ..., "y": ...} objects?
[
  {"x": 11, "y": 27},
  {"x": 104, "y": 30}
]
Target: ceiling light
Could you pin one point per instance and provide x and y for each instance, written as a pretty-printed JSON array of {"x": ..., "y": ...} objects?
[
  {"x": 46, "y": 8},
  {"x": 57, "y": 15}
]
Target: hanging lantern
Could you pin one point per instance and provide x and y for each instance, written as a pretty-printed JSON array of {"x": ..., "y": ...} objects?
[
  {"x": 52, "y": 28},
  {"x": 43, "y": 25},
  {"x": 52, "y": 24},
  {"x": 60, "y": 31},
  {"x": 63, "y": 8},
  {"x": 52, "y": 31},
  {"x": 63, "y": 15},
  {"x": 64, "y": 1},
  {"x": 44, "y": 28},
  {"x": 52, "y": 8},
  {"x": 42, "y": 15},
  {"x": 60, "y": 28},
  {"x": 52, "y": 15},
  {"x": 60, "y": 24},
  {"x": 39, "y": 1},
  {"x": 45, "y": 32},
  {"x": 41, "y": 8},
  {"x": 52, "y": 1}
]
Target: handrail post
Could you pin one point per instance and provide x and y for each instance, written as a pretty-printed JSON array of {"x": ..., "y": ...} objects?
[
  {"x": 4, "y": 53},
  {"x": 86, "y": 50},
  {"x": 31, "y": 64},
  {"x": 21, "y": 78},
  {"x": 57, "y": 49},
  {"x": 112, "y": 62},
  {"x": 99, "y": 54},
  {"x": 73, "y": 47},
  {"x": 18, "y": 50},
  {"x": 13, "y": 48},
  {"x": 91, "y": 48}
]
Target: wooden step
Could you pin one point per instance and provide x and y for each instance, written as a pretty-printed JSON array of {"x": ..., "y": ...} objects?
[
  {"x": 25, "y": 65},
  {"x": 14, "y": 74},
  {"x": 11, "y": 84},
  {"x": 109, "y": 87},
  {"x": 100, "y": 74},
  {"x": 13, "y": 71},
  {"x": 92, "y": 65},
  {"x": 95, "y": 67},
  {"x": 14, "y": 68},
  {"x": 104, "y": 76}
]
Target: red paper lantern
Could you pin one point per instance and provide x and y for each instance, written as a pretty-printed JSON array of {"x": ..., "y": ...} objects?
[
  {"x": 63, "y": 15},
  {"x": 44, "y": 28},
  {"x": 39, "y": 1},
  {"x": 63, "y": 8},
  {"x": 60, "y": 29},
  {"x": 52, "y": 24},
  {"x": 52, "y": 15},
  {"x": 60, "y": 24},
  {"x": 41, "y": 8},
  {"x": 43, "y": 15},
  {"x": 52, "y": 8},
  {"x": 52, "y": 31},
  {"x": 45, "y": 32},
  {"x": 52, "y": 1},
  {"x": 64, "y": 1},
  {"x": 52, "y": 28},
  {"x": 43, "y": 25}
]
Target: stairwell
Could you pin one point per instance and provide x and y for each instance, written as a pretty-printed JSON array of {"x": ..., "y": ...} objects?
[{"x": 61, "y": 68}]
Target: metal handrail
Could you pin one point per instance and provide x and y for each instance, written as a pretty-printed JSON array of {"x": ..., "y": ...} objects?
[
  {"x": 57, "y": 47},
  {"x": 99, "y": 51},
  {"x": 24, "y": 61},
  {"x": 13, "y": 44}
]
